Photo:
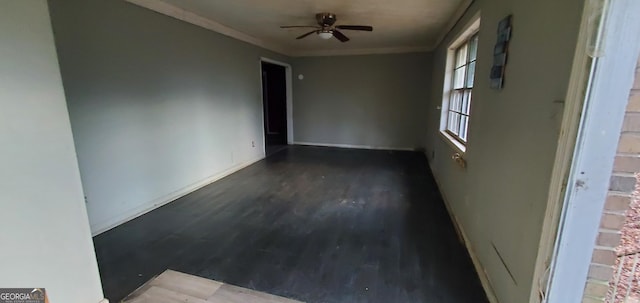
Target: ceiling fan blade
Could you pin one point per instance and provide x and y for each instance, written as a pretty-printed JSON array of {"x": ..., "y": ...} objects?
[
  {"x": 299, "y": 26},
  {"x": 356, "y": 27},
  {"x": 340, "y": 36},
  {"x": 307, "y": 34}
]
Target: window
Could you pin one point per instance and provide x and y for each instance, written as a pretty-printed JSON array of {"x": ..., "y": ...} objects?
[
  {"x": 457, "y": 92},
  {"x": 460, "y": 95}
]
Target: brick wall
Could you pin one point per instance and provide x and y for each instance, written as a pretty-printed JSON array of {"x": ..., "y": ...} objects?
[{"x": 621, "y": 189}]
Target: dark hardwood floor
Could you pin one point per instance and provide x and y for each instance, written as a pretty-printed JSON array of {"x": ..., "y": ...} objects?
[
  {"x": 272, "y": 149},
  {"x": 313, "y": 224}
]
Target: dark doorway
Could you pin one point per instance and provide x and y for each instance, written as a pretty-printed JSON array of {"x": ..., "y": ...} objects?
[{"x": 274, "y": 102}]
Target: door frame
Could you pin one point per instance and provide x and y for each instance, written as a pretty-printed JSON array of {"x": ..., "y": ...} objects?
[
  {"x": 289, "y": 83},
  {"x": 594, "y": 109}
]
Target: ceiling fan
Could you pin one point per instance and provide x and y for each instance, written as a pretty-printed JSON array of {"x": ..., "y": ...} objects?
[{"x": 326, "y": 29}]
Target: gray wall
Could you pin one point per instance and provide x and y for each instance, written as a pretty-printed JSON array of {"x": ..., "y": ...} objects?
[
  {"x": 44, "y": 231},
  {"x": 500, "y": 199},
  {"x": 158, "y": 106},
  {"x": 370, "y": 101}
]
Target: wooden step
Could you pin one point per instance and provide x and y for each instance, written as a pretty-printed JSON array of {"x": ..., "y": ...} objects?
[{"x": 176, "y": 287}]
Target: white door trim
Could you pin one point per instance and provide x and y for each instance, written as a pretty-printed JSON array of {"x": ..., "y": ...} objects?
[
  {"x": 573, "y": 107},
  {"x": 597, "y": 138},
  {"x": 289, "y": 82}
]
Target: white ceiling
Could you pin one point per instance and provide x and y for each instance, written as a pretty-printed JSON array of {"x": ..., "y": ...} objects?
[{"x": 399, "y": 25}]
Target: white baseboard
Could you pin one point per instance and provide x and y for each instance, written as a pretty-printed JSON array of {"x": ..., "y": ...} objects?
[
  {"x": 97, "y": 229},
  {"x": 482, "y": 274},
  {"x": 354, "y": 146}
]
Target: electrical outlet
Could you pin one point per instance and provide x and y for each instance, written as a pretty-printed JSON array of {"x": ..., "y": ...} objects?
[{"x": 253, "y": 143}]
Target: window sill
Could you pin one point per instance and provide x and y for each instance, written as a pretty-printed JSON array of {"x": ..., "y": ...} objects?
[{"x": 457, "y": 146}]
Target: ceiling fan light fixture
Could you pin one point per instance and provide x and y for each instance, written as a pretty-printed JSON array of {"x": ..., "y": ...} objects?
[
  {"x": 326, "y": 30},
  {"x": 326, "y": 35}
]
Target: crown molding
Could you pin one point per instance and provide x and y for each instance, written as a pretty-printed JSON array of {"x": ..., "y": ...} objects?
[
  {"x": 363, "y": 51},
  {"x": 195, "y": 19},
  {"x": 462, "y": 9}
]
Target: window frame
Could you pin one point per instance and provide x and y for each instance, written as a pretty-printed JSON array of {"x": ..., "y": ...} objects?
[
  {"x": 470, "y": 31},
  {"x": 462, "y": 91}
]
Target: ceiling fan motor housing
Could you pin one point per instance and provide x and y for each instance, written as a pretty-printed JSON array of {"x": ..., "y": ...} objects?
[{"x": 326, "y": 19}]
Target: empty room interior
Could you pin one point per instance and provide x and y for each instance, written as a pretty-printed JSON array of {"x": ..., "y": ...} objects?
[{"x": 307, "y": 151}]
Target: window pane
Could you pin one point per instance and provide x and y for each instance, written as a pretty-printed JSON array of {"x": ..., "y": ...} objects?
[
  {"x": 470, "y": 74},
  {"x": 473, "y": 48},
  {"x": 458, "y": 77},
  {"x": 456, "y": 101},
  {"x": 464, "y": 125},
  {"x": 465, "y": 102},
  {"x": 455, "y": 123},
  {"x": 459, "y": 103},
  {"x": 469, "y": 100},
  {"x": 450, "y": 121},
  {"x": 461, "y": 55}
]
